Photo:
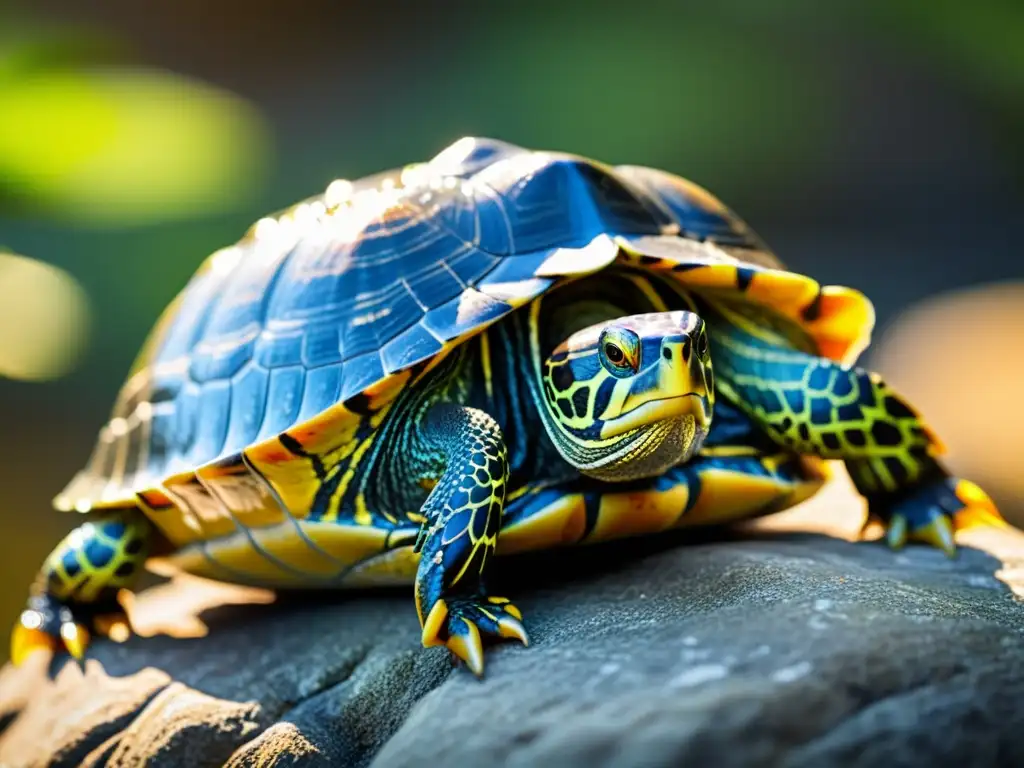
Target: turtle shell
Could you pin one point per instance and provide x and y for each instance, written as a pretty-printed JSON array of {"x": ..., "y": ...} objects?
[{"x": 294, "y": 341}]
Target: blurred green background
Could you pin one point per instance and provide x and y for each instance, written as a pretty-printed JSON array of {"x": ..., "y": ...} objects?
[{"x": 875, "y": 143}]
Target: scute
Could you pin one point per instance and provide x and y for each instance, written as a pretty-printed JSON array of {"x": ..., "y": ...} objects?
[{"x": 316, "y": 319}]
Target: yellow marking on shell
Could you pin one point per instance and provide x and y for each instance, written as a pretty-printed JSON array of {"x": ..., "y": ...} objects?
[
  {"x": 334, "y": 508},
  {"x": 331, "y": 435},
  {"x": 244, "y": 493},
  {"x": 190, "y": 559},
  {"x": 384, "y": 391},
  {"x": 560, "y": 523},
  {"x": 178, "y": 526},
  {"x": 633, "y": 513},
  {"x": 761, "y": 327},
  {"x": 704, "y": 199},
  {"x": 240, "y": 561},
  {"x": 388, "y": 569},
  {"x": 327, "y": 432},
  {"x": 208, "y": 511},
  {"x": 844, "y": 323},
  {"x": 347, "y": 544},
  {"x": 284, "y": 543},
  {"x": 840, "y": 324},
  {"x": 291, "y": 477}
]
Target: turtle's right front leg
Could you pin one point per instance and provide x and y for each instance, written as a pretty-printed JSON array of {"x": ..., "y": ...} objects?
[
  {"x": 75, "y": 593},
  {"x": 462, "y": 517}
]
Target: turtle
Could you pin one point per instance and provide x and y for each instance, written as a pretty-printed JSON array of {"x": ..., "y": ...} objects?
[{"x": 495, "y": 351}]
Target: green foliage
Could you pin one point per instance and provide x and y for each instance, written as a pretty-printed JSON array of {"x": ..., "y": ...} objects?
[{"x": 86, "y": 140}]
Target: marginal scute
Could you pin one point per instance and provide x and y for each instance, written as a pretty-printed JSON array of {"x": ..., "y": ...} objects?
[{"x": 840, "y": 319}]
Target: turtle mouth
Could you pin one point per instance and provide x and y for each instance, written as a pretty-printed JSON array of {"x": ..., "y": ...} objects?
[
  {"x": 652, "y": 451},
  {"x": 691, "y": 404}
]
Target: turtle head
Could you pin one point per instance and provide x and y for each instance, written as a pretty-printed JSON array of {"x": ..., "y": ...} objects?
[{"x": 630, "y": 397}]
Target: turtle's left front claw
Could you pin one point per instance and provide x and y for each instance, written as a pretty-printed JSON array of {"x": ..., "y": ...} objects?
[{"x": 461, "y": 622}]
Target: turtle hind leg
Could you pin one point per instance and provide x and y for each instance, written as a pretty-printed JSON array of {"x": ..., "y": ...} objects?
[
  {"x": 75, "y": 594},
  {"x": 462, "y": 519},
  {"x": 819, "y": 407},
  {"x": 929, "y": 513}
]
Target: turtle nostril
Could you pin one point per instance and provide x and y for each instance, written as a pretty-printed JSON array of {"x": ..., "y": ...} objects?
[
  {"x": 687, "y": 344},
  {"x": 666, "y": 353}
]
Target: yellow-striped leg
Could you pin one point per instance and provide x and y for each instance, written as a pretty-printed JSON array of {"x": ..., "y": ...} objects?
[
  {"x": 462, "y": 517},
  {"x": 75, "y": 594},
  {"x": 817, "y": 406}
]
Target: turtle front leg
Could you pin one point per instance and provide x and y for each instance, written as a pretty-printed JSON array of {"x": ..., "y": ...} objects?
[
  {"x": 75, "y": 594},
  {"x": 462, "y": 517}
]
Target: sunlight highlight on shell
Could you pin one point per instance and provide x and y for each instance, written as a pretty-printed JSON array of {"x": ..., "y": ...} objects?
[{"x": 44, "y": 319}]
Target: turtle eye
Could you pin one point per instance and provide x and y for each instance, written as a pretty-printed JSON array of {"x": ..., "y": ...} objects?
[
  {"x": 620, "y": 351},
  {"x": 614, "y": 354}
]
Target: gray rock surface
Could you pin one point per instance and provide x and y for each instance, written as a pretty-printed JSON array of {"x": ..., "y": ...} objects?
[{"x": 766, "y": 648}]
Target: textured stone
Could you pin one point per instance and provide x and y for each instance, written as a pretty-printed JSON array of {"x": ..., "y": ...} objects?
[{"x": 769, "y": 646}]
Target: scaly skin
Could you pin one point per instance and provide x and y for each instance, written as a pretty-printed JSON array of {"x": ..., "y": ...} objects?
[
  {"x": 75, "y": 594},
  {"x": 462, "y": 517},
  {"x": 818, "y": 407},
  {"x": 453, "y": 453}
]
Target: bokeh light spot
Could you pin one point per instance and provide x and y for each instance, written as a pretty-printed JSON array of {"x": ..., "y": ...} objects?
[
  {"x": 44, "y": 319},
  {"x": 121, "y": 146}
]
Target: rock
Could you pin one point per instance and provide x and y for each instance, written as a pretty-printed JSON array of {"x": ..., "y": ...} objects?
[{"x": 768, "y": 646}]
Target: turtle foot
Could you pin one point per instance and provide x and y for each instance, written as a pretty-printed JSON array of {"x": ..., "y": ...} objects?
[
  {"x": 460, "y": 622},
  {"x": 49, "y": 625},
  {"x": 933, "y": 513}
]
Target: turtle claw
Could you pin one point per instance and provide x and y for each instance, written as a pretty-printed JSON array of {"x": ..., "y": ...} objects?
[
  {"x": 461, "y": 623},
  {"x": 26, "y": 640},
  {"x": 464, "y": 641},
  {"x": 49, "y": 625},
  {"x": 76, "y": 639},
  {"x": 896, "y": 532},
  {"x": 934, "y": 513},
  {"x": 938, "y": 533},
  {"x": 34, "y": 633}
]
